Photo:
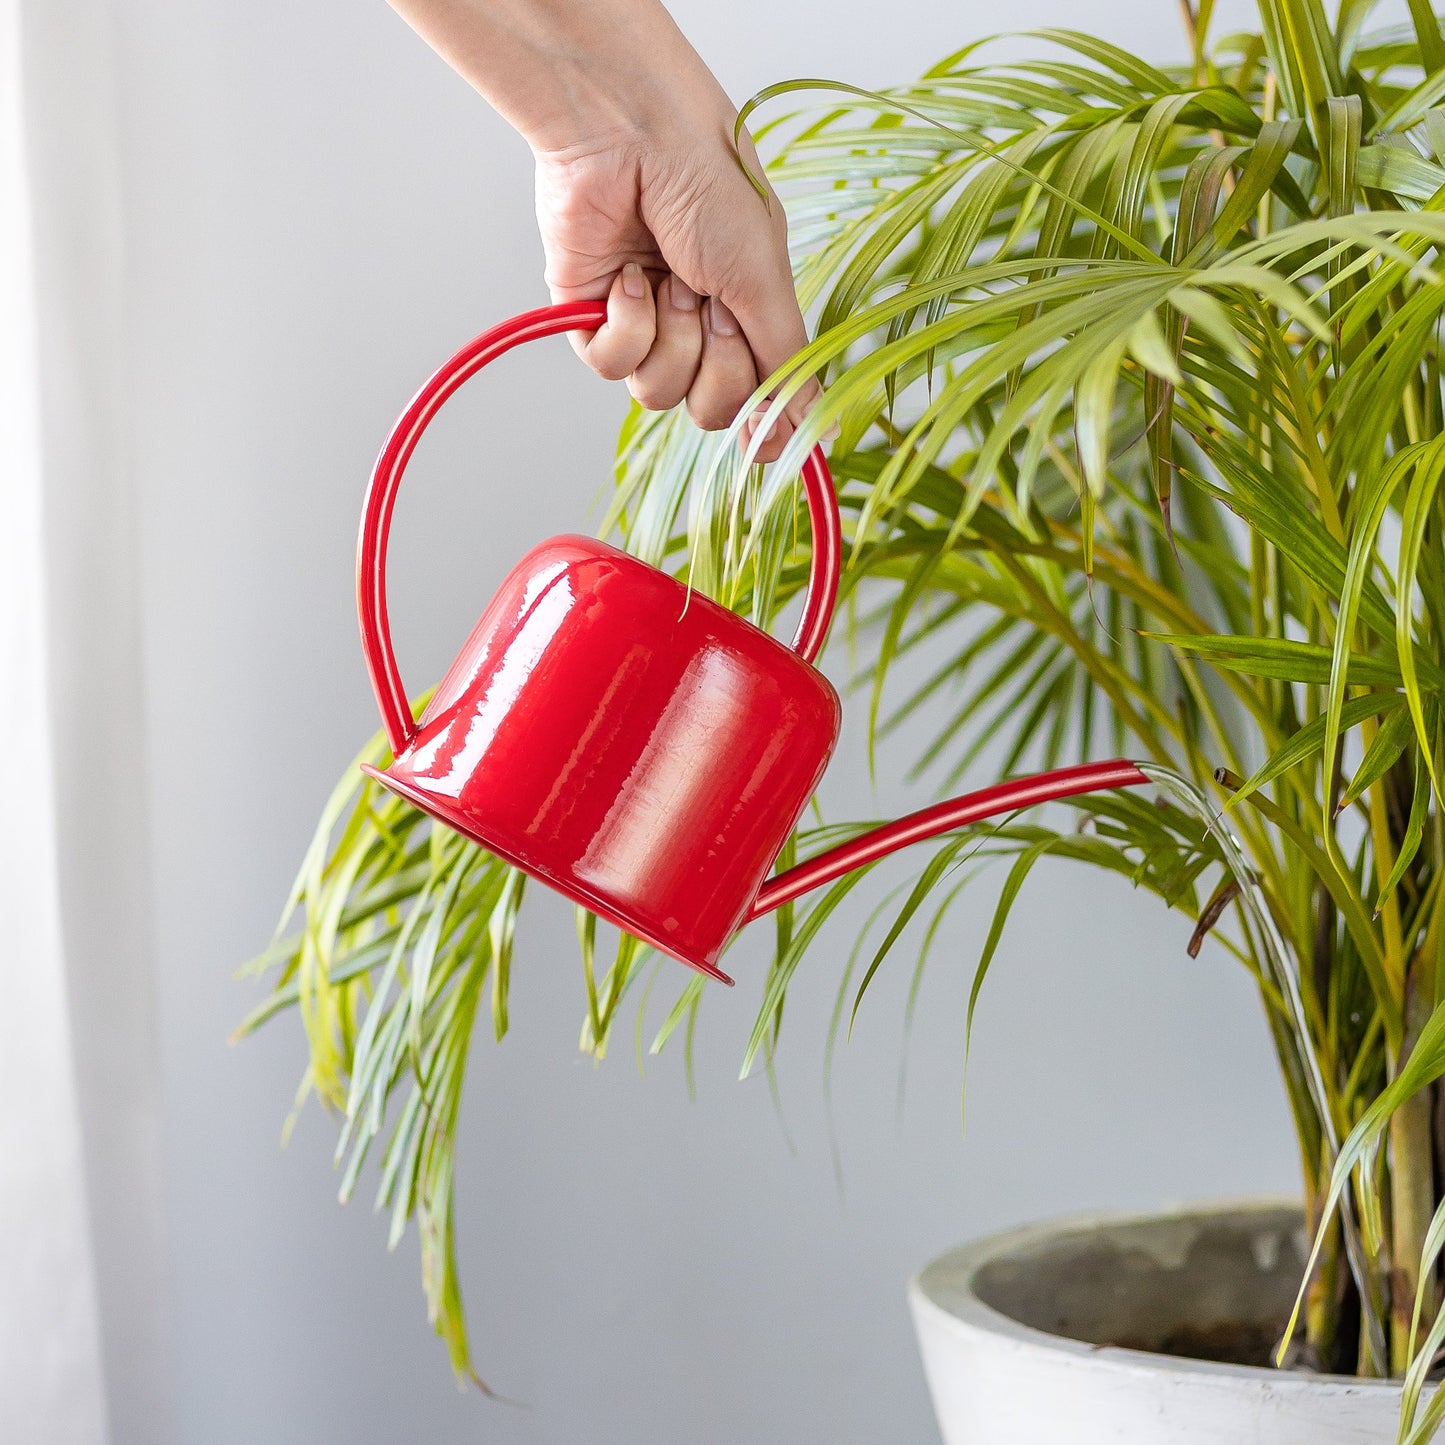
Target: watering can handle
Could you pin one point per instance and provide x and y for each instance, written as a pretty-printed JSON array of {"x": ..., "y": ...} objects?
[{"x": 822, "y": 589}]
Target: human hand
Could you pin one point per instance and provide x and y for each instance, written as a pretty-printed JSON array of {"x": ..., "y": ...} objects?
[
  {"x": 640, "y": 196},
  {"x": 661, "y": 220}
]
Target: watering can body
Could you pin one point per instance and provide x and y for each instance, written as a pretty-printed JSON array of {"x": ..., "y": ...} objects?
[{"x": 629, "y": 742}]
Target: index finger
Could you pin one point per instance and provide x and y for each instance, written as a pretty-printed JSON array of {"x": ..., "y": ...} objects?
[{"x": 617, "y": 348}]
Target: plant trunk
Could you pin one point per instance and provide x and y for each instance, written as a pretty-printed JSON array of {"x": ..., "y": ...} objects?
[
  {"x": 1412, "y": 1193},
  {"x": 1325, "y": 1345}
]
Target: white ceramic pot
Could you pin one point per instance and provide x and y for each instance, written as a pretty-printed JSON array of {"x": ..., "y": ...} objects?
[{"x": 1020, "y": 1333}]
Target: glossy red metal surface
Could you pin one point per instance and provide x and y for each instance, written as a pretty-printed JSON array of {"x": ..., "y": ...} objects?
[
  {"x": 639, "y": 747},
  {"x": 633, "y": 744}
]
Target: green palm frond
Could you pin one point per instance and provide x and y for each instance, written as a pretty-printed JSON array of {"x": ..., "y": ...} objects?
[{"x": 1135, "y": 378}]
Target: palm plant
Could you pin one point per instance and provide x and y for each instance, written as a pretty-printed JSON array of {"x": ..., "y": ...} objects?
[{"x": 1135, "y": 373}]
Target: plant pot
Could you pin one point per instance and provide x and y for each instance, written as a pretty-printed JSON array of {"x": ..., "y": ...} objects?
[{"x": 1086, "y": 1331}]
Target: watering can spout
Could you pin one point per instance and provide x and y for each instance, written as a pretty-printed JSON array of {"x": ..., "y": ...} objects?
[{"x": 945, "y": 817}]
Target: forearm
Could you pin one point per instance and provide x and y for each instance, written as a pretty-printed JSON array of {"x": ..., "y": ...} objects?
[
  {"x": 640, "y": 197},
  {"x": 566, "y": 72}
]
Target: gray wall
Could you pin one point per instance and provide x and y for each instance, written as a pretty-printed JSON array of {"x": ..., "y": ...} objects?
[{"x": 317, "y": 212}]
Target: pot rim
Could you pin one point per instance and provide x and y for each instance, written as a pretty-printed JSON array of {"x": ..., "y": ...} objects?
[{"x": 967, "y": 1314}]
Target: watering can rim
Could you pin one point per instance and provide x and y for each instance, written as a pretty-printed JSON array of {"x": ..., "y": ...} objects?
[
  {"x": 569, "y": 886},
  {"x": 599, "y": 548}
]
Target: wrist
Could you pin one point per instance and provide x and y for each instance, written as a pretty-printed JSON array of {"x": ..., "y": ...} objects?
[
  {"x": 628, "y": 89},
  {"x": 572, "y": 76}
]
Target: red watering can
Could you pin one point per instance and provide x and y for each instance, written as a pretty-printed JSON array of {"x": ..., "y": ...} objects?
[{"x": 634, "y": 745}]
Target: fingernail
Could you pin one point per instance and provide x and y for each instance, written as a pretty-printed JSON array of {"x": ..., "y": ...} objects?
[
  {"x": 684, "y": 298},
  {"x": 720, "y": 320},
  {"x": 633, "y": 281}
]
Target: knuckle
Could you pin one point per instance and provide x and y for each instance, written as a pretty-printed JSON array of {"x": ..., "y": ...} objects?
[
  {"x": 736, "y": 287},
  {"x": 609, "y": 366},
  {"x": 615, "y": 355},
  {"x": 708, "y": 413},
  {"x": 653, "y": 394}
]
